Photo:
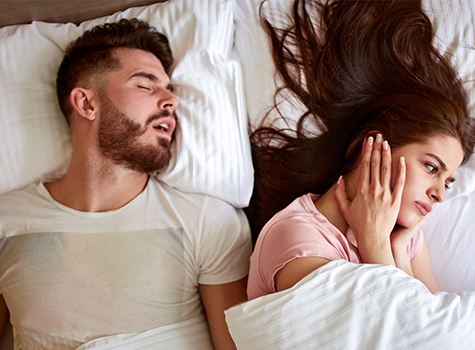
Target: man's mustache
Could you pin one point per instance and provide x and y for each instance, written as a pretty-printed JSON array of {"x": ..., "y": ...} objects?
[{"x": 162, "y": 114}]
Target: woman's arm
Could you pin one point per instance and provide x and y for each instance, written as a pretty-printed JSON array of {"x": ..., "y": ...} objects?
[
  {"x": 400, "y": 238},
  {"x": 295, "y": 270},
  {"x": 402, "y": 260},
  {"x": 423, "y": 271}
]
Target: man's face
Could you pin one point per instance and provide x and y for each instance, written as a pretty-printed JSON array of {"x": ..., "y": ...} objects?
[{"x": 137, "y": 116}]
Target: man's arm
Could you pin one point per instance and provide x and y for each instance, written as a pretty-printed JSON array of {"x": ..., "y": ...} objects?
[
  {"x": 216, "y": 299},
  {"x": 3, "y": 314}
]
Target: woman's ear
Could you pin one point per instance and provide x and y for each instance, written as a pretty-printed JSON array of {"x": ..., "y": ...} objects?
[
  {"x": 373, "y": 133},
  {"x": 83, "y": 102},
  {"x": 358, "y": 142}
]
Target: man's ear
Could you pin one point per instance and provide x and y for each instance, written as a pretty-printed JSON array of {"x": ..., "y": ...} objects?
[{"x": 83, "y": 101}]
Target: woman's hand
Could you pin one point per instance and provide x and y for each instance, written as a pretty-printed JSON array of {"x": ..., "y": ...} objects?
[
  {"x": 373, "y": 211},
  {"x": 400, "y": 238}
]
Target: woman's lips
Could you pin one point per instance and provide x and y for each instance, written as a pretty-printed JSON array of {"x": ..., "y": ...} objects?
[{"x": 424, "y": 208}]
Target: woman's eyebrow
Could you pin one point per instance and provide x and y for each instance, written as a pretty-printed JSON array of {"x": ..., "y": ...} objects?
[{"x": 442, "y": 164}]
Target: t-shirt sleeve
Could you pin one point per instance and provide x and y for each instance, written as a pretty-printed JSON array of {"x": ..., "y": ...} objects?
[
  {"x": 415, "y": 245},
  {"x": 225, "y": 246},
  {"x": 288, "y": 239}
]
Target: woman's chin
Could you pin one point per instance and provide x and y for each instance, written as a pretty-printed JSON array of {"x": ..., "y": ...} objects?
[{"x": 407, "y": 222}]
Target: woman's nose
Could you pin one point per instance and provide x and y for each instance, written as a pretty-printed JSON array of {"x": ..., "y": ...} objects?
[{"x": 437, "y": 192}]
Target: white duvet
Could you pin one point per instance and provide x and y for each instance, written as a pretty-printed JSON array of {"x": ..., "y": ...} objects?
[
  {"x": 355, "y": 306},
  {"x": 192, "y": 334}
]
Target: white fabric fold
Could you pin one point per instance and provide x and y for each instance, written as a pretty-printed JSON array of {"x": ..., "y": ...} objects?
[
  {"x": 355, "y": 306},
  {"x": 192, "y": 334}
]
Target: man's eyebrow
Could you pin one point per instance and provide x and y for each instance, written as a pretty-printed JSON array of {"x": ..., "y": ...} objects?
[
  {"x": 146, "y": 75},
  {"x": 151, "y": 77},
  {"x": 442, "y": 164}
]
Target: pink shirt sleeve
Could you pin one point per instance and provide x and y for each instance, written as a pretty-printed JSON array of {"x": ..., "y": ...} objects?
[
  {"x": 288, "y": 239},
  {"x": 296, "y": 236}
]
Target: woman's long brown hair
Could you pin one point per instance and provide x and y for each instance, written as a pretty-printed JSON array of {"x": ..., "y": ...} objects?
[{"x": 357, "y": 66}]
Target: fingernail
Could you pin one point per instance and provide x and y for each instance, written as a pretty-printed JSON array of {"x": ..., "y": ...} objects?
[
  {"x": 339, "y": 180},
  {"x": 385, "y": 145},
  {"x": 379, "y": 138},
  {"x": 402, "y": 160},
  {"x": 370, "y": 141}
]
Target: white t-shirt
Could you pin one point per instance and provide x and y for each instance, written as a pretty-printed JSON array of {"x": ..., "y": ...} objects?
[{"x": 69, "y": 276}]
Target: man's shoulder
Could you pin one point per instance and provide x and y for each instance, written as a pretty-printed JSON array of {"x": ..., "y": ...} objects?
[
  {"x": 199, "y": 200},
  {"x": 193, "y": 209},
  {"x": 24, "y": 195},
  {"x": 16, "y": 207}
]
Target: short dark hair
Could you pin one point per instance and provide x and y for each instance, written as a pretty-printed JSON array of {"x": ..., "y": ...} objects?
[{"x": 92, "y": 54}]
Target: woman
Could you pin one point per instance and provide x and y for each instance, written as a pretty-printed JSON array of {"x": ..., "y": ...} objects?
[{"x": 393, "y": 122}]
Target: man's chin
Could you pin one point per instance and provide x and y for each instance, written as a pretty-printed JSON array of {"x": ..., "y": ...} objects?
[
  {"x": 147, "y": 161},
  {"x": 160, "y": 169}
]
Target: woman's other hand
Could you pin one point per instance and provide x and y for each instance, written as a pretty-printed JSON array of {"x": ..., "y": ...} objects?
[{"x": 373, "y": 211}]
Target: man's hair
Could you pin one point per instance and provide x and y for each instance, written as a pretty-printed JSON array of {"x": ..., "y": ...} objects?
[{"x": 92, "y": 54}]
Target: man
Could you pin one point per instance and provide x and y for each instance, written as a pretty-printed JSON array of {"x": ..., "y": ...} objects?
[{"x": 107, "y": 249}]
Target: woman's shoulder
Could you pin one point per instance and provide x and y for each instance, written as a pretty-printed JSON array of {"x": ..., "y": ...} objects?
[
  {"x": 299, "y": 221},
  {"x": 302, "y": 205}
]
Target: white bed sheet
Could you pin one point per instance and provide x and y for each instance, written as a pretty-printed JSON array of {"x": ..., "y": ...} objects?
[{"x": 352, "y": 307}]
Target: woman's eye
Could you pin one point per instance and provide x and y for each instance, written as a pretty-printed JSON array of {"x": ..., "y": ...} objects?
[
  {"x": 432, "y": 168},
  {"x": 144, "y": 87},
  {"x": 448, "y": 187}
]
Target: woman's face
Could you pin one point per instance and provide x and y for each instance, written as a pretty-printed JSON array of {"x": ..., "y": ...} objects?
[{"x": 430, "y": 169}]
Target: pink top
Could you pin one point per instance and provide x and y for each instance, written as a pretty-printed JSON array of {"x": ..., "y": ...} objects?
[{"x": 300, "y": 230}]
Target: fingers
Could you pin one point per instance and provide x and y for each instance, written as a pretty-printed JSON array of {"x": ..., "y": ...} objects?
[
  {"x": 400, "y": 179},
  {"x": 386, "y": 165},
  {"x": 375, "y": 171},
  {"x": 376, "y": 160},
  {"x": 376, "y": 163},
  {"x": 341, "y": 195},
  {"x": 365, "y": 166}
]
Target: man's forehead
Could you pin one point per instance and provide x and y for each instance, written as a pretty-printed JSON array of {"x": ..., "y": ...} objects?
[{"x": 136, "y": 59}]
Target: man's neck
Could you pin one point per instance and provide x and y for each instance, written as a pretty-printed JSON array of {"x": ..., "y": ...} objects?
[{"x": 97, "y": 186}]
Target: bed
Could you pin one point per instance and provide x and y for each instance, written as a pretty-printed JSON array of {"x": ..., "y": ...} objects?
[{"x": 224, "y": 79}]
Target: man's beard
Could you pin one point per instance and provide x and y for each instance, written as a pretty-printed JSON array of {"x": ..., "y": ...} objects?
[{"x": 119, "y": 140}]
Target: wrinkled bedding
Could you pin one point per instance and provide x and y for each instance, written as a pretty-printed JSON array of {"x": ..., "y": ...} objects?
[
  {"x": 188, "y": 335},
  {"x": 355, "y": 306}
]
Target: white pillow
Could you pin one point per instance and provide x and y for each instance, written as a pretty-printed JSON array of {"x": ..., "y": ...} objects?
[
  {"x": 253, "y": 48},
  {"x": 211, "y": 152},
  {"x": 450, "y": 227}
]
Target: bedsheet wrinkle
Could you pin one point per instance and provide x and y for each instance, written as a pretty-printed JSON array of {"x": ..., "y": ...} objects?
[
  {"x": 192, "y": 334},
  {"x": 344, "y": 305}
]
